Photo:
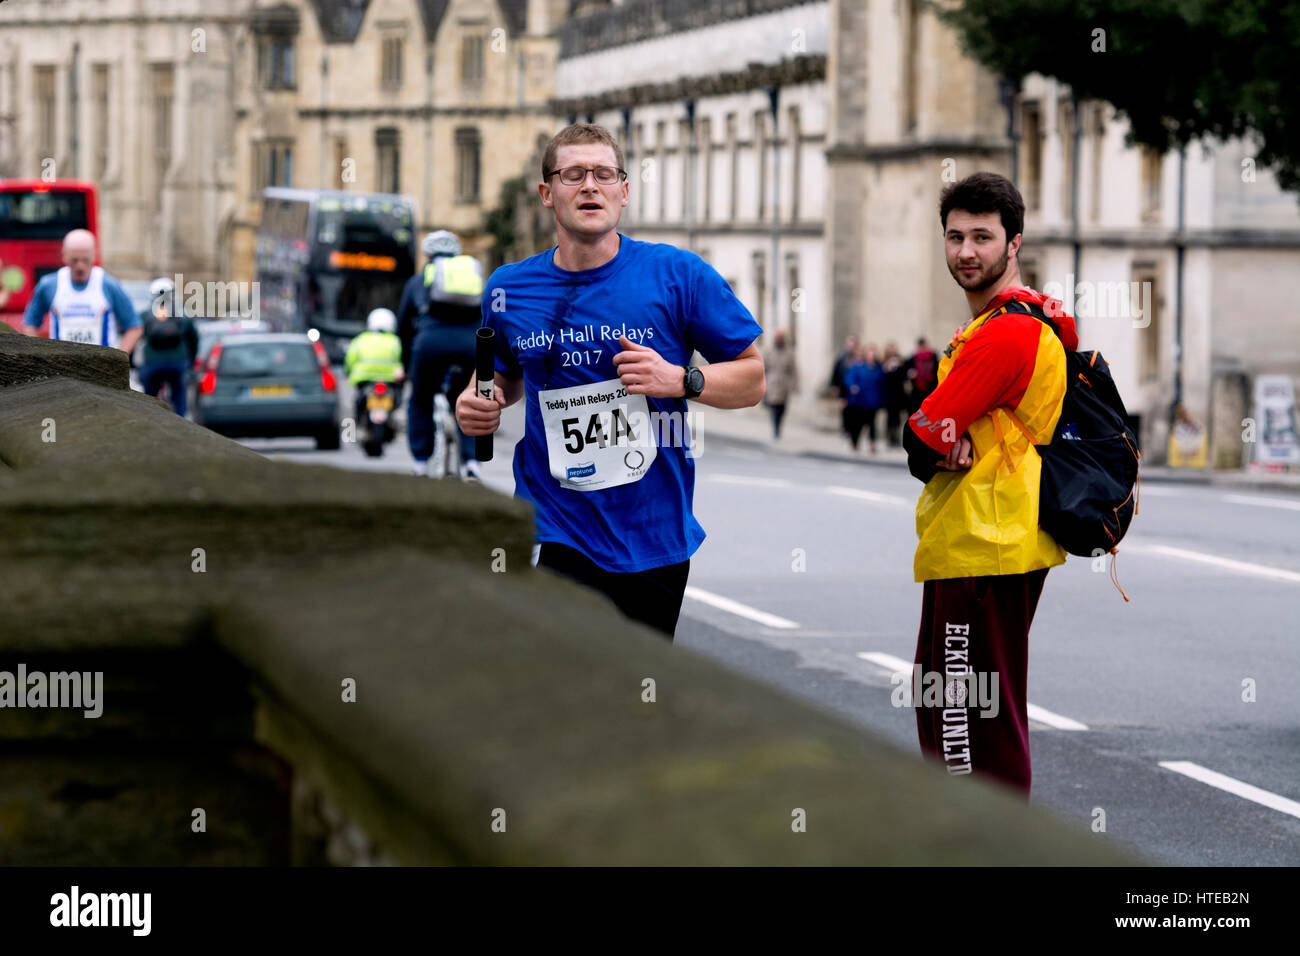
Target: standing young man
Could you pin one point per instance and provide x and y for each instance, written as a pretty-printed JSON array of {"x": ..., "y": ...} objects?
[
  {"x": 982, "y": 556},
  {"x": 596, "y": 335}
]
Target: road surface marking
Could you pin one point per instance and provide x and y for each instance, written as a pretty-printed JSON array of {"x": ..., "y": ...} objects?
[
  {"x": 1044, "y": 716},
  {"x": 741, "y": 610},
  {"x": 750, "y": 480},
  {"x": 1244, "y": 790},
  {"x": 1265, "y": 502},
  {"x": 869, "y": 496},
  {"x": 1244, "y": 567},
  {"x": 896, "y": 665}
]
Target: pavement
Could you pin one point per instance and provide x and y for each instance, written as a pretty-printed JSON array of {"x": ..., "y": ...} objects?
[{"x": 752, "y": 427}]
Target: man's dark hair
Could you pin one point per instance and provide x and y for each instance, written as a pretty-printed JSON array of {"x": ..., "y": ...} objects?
[{"x": 985, "y": 192}]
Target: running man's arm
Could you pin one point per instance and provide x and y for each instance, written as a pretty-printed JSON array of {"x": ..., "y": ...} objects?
[
  {"x": 738, "y": 383},
  {"x": 42, "y": 299},
  {"x": 482, "y": 416},
  {"x": 129, "y": 326}
]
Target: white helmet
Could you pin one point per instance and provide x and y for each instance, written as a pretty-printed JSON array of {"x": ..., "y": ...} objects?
[
  {"x": 381, "y": 320},
  {"x": 440, "y": 243},
  {"x": 161, "y": 286}
]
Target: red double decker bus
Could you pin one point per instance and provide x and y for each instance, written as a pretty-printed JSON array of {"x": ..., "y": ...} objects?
[{"x": 34, "y": 218}]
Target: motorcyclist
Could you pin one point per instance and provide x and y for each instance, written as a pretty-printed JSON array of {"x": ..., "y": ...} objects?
[
  {"x": 375, "y": 356},
  {"x": 440, "y": 312}
]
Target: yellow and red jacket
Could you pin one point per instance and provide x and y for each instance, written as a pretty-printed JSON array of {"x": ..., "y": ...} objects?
[{"x": 984, "y": 520}]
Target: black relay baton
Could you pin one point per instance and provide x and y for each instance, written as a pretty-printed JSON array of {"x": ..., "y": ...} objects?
[{"x": 485, "y": 362}]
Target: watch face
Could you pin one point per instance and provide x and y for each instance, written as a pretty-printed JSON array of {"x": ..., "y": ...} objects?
[{"x": 694, "y": 382}]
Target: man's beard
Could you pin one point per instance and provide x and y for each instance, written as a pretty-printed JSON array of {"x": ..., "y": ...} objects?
[{"x": 983, "y": 280}]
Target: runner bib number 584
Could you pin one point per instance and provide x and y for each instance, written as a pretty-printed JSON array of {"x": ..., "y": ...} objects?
[{"x": 597, "y": 435}]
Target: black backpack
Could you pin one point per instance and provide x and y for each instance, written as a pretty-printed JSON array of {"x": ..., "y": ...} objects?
[
  {"x": 164, "y": 336},
  {"x": 1088, "y": 492}
]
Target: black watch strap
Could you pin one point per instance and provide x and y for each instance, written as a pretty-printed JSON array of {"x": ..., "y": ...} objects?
[{"x": 694, "y": 383}]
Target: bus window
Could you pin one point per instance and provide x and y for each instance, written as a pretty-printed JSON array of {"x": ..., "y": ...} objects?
[{"x": 41, "y": 215}]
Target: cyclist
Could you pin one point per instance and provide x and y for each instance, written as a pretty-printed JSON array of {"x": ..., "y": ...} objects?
[
  {"x": 374, "y": 356},
  {"x": 170, "y": 344},
  {"x": 441, "y": 306}
]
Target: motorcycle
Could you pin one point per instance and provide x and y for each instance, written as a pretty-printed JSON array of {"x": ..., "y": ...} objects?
[{"x": 376, "y": 402}]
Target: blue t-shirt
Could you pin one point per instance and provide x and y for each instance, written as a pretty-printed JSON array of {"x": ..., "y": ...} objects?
[
  {"x": 558, "y": 329},
  {"x": 43, "y": 297}
]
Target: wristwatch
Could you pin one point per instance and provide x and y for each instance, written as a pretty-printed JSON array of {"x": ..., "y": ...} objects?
[{"x": 694, "y": 382}]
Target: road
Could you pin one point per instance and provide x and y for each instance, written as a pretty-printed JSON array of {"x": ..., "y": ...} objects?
[{"x": 1145, "y": 721}]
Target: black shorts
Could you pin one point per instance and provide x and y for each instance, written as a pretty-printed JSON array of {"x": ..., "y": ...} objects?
[{"x": 652, "y": 597}]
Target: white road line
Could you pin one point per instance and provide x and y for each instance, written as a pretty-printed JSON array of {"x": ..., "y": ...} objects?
[
  {"x": 1044, "y": 716},
  {"x": 869, "y": 496},
  {"x": 741, "y": 610},
  {"x": 1243, "y": 567},
  {"x": 896, "y": 665},
  {"x": 750, "y": 480},
  {"x": 1244, "y": 790},
  {"x": 1264, "y": 502}
]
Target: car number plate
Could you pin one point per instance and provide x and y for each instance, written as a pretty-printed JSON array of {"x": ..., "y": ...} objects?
[{"x": 271, "y": 391}]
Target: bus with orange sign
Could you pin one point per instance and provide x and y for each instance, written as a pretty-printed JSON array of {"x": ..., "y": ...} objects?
[
  {"x": 326, "y": 258},
  {"x": 35, "y": 215}
]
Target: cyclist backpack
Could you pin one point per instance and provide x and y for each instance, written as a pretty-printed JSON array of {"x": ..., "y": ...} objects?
[
  {"x": 1088, "y": 491},
  {"x": 454, "y": 281},
  {"x": 164, "y": 336}
]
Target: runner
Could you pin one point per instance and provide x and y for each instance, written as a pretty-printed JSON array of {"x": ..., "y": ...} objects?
[
  {"x": 982, "y": 556},
  {"x": 596, "y": 335},
  {"x": 80, "y": 297}
]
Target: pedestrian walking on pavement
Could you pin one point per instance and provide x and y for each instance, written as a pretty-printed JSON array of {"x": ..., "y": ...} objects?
[
  {"x": 922, "y": 373},
  {"x": 982, "y": 557},
  {"x": 865, "y": 383},
  {"x": 782, "y": 378},
  {"x": 836, "y": 384},
  {"x": 895, "y": 370},
  {"x": 596, "y": 336}
]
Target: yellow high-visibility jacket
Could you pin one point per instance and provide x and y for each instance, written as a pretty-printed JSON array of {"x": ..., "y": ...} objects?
[{"x": 1002, "y": 376}]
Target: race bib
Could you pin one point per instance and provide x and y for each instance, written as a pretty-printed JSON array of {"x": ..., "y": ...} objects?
[
  {"x": 79, "y": 329},
  {"x": 597, "y": 436}
]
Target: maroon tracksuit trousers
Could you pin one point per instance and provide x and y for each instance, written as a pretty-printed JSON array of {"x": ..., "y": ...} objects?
[{"x": 975, "y": 636}]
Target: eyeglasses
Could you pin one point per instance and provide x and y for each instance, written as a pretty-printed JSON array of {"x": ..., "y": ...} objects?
[{"x": 576, "y": 175}]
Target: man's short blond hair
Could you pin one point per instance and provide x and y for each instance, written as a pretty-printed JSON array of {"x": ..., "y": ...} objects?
[{"x": 579, "y": 134}]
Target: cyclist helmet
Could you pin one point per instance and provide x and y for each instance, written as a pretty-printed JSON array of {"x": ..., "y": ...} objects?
[
  {"x": 381, "y": 320},
  {"x": 440, "y": 243}
]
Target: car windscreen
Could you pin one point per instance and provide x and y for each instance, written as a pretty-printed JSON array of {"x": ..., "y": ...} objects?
[{"x": 267, "y": 360}]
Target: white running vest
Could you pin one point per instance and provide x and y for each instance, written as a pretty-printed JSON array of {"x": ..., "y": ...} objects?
[{"x": 82, "y": 316}]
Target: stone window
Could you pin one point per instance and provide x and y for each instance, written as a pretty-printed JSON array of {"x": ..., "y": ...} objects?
[
  {"x": 469, "y": 144},
  {"x": 1151, "y": 161},
  {"x": 388, "y": 160},
  {"x": 100, "y": 118},
  {"x": 471, "y": 62},
  {"x": 275, "y": 63},
  {"x": 391, "y": 63},
  {"x": 46, "y": 114},
  {"x": 1031, "y": 153},
  {"x": 162, "y": 86}
]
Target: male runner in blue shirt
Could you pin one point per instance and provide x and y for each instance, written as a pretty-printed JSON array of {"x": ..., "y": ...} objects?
[
  {"x": 80, "y": 298},
  {"x": 596, "y": 335}
]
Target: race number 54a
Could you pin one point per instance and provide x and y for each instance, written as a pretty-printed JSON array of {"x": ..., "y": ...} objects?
[{"x": 601, "y": 431}]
